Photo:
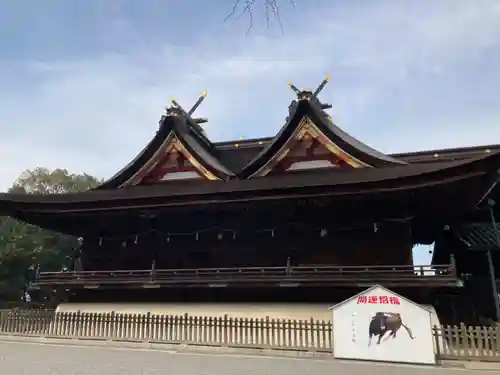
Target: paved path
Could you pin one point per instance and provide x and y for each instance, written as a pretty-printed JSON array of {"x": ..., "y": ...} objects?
[{"x": 27, "y": 358}]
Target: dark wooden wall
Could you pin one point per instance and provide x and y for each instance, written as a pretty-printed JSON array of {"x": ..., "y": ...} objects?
[{"x": 218, "y": 248}]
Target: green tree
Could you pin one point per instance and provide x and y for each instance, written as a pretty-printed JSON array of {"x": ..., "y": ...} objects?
[
  {"x": 58, "y": 181},
  {"x": 23, "y": 245}
]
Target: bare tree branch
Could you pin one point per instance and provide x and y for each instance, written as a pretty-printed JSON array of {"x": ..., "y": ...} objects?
[{"x": 246, "y": 7}]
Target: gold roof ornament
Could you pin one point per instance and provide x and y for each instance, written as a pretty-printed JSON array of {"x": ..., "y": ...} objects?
[
  {"x": 175, "y": 109},
  {"x": 312, "y": 95}
]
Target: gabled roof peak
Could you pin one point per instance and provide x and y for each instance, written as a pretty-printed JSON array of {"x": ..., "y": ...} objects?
[{"x": 309, "y": 134}]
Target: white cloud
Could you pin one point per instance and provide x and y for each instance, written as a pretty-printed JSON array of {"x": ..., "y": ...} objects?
[{"x": 94, "y": 114}]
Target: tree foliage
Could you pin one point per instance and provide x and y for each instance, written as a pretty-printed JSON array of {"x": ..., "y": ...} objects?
[
  {"x": 58, "y": 181},
  {"x": 24, "y": 246}
]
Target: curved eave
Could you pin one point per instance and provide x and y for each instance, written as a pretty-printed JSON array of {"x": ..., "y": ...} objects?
[
  {"x": 197, "y": 146},
  {"x": 354, "y": 182},
  {"x": 348, "y": 144},
  {"x": 202, "y": 150},
  {"x": 144, "y": 157}
]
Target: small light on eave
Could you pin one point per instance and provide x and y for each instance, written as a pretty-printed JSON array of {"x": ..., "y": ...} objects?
[
  {"x": 487, "y": 150},
  {"x": 436, "y": 155},
  {"x": 236, "y": 145},
  {"x": 260, "y": 142}
]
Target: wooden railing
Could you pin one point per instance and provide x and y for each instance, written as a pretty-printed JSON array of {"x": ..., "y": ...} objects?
[
  {"x": 451, "y": 342},
  {"x": 301, "y": 274}
]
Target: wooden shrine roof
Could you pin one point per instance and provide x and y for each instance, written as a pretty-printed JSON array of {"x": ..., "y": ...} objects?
[
  {"x": 477, "y": 236},
  {"x": 240, "y": 171}
]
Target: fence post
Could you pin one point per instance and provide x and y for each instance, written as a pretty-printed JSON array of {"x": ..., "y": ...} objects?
[
  {"x": 77, "y": 321},
  {"x": 225, "y": 331},
  {"x": 147, "y": 328},
  {"x": 63, "y": 324},
  {"x": 3, "y": 320},
  {"x": 495, "y": 339},
  {"x": 437, "y": 343},
  {"x": 464, "y": 338}
]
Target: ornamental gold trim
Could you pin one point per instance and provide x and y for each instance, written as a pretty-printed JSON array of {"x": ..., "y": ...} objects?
[
  {"x": 307, "y": 127},
  {"x": 170, "y": 142},
  {"x": 179, "y": 146}
]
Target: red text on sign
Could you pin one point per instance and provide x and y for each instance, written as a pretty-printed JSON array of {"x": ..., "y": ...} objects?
[{"x": 379, "y": 300}]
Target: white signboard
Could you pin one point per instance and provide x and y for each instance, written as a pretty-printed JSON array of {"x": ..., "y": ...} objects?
[{"x": 379, "y": 325}]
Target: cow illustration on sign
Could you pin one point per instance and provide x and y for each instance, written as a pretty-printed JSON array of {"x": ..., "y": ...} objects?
[{"x": 383, "y": 322}]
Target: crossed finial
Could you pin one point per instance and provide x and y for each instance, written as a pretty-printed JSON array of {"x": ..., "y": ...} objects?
[
  {"x": 175, "y": 109},
  {"x": 308, "y": 94}
]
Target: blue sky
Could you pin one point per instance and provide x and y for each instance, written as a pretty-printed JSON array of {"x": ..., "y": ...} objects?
[{"x": 83, "y": 84}]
